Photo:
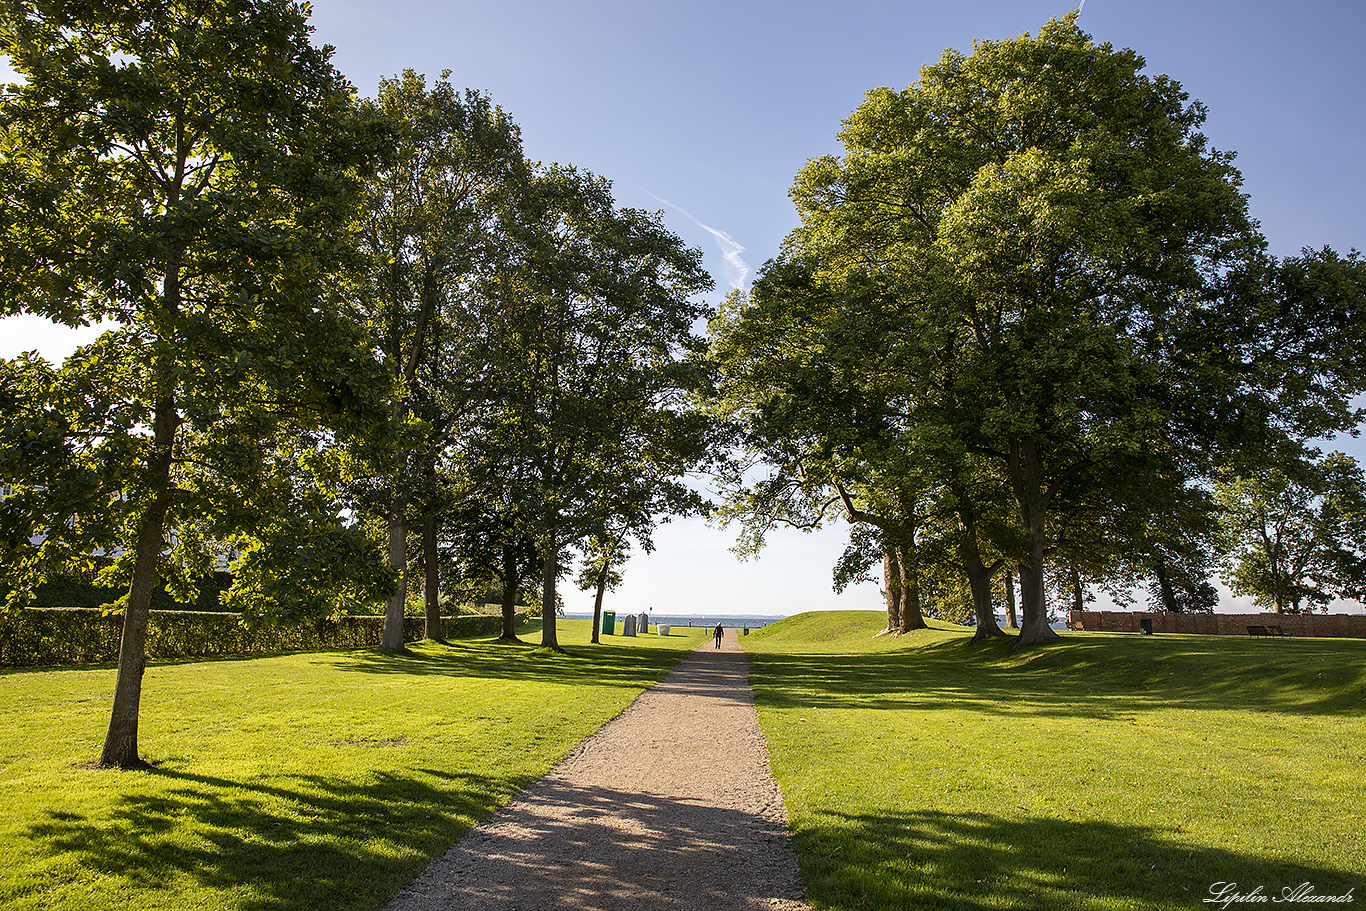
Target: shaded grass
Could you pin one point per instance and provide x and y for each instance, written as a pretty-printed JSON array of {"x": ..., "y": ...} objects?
[
  {"x": 1105, "y": 771},
  {"x": 320, "y": 780}
]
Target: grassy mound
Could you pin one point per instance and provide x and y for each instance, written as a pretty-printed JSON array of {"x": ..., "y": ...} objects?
[
  {"x": 1101, "y": 772},
  {"x": 822, "y": 627},
  {"x": 322, "y": 780},
  {"x": 844, "y": 629}
]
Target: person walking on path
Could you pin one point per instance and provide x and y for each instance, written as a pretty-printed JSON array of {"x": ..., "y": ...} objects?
[{"x": 718, "y": 633}]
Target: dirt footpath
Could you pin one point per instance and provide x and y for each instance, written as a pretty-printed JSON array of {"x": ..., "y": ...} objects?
[{"x": 669, "y": 806}]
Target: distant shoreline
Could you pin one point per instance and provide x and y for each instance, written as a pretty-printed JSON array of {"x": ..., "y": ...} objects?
[{"x": 699, "y": 621}]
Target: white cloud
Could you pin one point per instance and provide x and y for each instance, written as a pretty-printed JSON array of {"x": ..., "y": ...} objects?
[{"x": 735, "y": 270}]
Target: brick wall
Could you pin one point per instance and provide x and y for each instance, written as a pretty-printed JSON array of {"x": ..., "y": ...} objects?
[{"x": 1350, "y": 626}]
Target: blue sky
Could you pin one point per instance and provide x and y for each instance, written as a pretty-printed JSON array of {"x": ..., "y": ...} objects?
[{"x": 708, "y": 109}]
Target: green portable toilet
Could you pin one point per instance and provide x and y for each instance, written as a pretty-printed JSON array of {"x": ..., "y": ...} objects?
[{"x": 609, "y": 622}]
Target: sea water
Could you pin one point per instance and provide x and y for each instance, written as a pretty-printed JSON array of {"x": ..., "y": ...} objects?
[{"x": 698, "y": 621}]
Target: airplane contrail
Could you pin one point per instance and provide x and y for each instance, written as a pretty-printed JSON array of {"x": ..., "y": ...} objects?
[{"x": 736, "y": 269}]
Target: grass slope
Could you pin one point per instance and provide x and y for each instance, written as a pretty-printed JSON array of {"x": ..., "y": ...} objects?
[
  {"x": 1102, "y": 772},
  {"x": 323, "y": 780}
]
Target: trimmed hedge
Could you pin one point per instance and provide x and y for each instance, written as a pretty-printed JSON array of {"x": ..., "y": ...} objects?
[{"x": 39, "y": 636}]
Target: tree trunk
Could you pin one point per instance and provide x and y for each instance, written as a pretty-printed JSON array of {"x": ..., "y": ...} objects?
[
  {"x": 549, "y": 573},
  {"x": 1034, "y": 628},
  {"x": 121, "y": 740},
  {"x": 398, "y": 560},
  {"x": 1283, "y": 584},
  {"x": 891, "y": 580},
  {"x": 1011, "y": 622},
  {"x": 1025, "y": 482},
  {"x": 983, "y": 607},
  {"x": 511, "y": 583},
  {"x": 1164, "y": 586},
  {"x": 1078, "y": 596},
  {"x": 910, "y": 618},
  {"x": 597, "y": 603},
  {"x": 979, "y": 577},
  {"x": 1278, "y": 594},
  {"x": 431, "y": 578}
]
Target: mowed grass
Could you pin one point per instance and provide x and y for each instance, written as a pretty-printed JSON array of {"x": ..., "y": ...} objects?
[
  {"x": 324, "y": 780},
  {"x": 1102, "y": 772}
]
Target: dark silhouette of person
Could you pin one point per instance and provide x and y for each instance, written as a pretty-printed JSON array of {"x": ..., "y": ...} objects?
[{"x": 717, "y": 633}]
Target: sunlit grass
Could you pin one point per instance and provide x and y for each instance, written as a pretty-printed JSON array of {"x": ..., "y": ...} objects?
[
  {"x": 323, "y": 780},
  {"x": 1103, "y": 772}
]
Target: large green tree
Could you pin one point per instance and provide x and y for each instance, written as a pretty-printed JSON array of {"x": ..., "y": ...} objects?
[
  {"x": 594, "y": 359},
  {"x": 818, "y": 372},
  {"x": 1293, "y": 536},
  {"x": 686, "y": 441},
  {"x": 431, "y": 229},
  {"x": 485, "y": 543},
  {"x": 1037, "y": 226},
  {"x": 188, "y": 171}
]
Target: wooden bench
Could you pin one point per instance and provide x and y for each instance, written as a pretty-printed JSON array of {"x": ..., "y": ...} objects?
[{"x": 1270, "y": 631}]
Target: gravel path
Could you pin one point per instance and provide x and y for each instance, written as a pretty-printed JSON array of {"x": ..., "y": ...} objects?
[{"x": 669, "y": 806}]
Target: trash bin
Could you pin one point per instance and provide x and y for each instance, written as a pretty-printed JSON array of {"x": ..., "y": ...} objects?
[
  {"x": 609, "y": 622},
  {"x": 1145, "y": 626},
  {"x": 662, "y": 629}
]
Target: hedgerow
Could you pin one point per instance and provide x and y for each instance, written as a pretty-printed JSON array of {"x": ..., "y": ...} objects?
[{"x": 43, "y": 636}]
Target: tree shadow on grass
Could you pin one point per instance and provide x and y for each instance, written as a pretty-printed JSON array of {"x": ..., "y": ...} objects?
[
  {"x": 308, "y": 842},
  {"x": 1081, "y": 677},
  {"x": 602, "y": 665},
  {"x": 932, "y": 860},
  {"x": 286, "y": 842},
  {"x": 583, "y": 847},
  {"x": 611, "y": 665}
]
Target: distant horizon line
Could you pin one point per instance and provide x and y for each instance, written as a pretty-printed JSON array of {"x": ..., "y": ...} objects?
[{"x": 579, "y": 615}]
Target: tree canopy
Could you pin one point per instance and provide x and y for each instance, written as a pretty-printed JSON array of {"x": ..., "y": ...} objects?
[
  {"x": 595, "y": 359},
  {"x": 1293, "y": 535},
  {"x": 429, "y": 231},
  {"x": 189, "y": 173},
  {"x": 1022, "y": 293}
]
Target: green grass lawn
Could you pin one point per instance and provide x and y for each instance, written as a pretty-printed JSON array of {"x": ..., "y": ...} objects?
[
  {"x": 1104, "y": 772},
  {"x": 323, "y": 780}
]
